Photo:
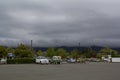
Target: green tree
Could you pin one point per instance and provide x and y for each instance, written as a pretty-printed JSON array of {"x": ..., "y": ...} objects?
[
  {"x": 105, "y": 51},
  {"x": 23, "y": 51},
  {"x": 50, "y": 52},
  {"x": 89, "y": 52},
  {"x": 98, "y": 55},
  {"x": 3, "y": 52},
  {"x": 61, "y": 52},
  {"x": 39, "y": 53},
  {"x": 74, "y": 53},
  {"x": 10, "y": 50}
]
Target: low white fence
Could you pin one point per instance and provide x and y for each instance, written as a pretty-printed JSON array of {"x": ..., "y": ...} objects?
[{"x": 115, "y": 59}]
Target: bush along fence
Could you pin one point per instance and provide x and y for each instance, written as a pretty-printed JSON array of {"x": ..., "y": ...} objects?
[{"x": 20, "y": 61}]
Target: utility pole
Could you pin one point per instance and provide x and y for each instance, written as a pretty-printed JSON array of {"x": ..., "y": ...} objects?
[
  {"x": 79, "y": 45},
  {"x": 31, "y": 44}
]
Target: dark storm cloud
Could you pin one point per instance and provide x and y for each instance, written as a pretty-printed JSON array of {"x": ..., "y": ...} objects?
[{"x": 60, "y": 22}]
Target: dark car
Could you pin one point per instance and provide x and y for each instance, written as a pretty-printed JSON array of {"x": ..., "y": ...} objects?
[{"x": 10, "y": 55}]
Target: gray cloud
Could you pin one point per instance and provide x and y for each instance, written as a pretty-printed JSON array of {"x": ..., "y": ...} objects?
[{"x": 60, "y": 22}]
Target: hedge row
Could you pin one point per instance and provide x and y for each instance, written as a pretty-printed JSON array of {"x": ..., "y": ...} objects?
[
  {"x": 117, "y": 55},
  {"x": 20, "y": 61}
]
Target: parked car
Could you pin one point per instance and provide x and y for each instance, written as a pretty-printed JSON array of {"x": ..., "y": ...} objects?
[
  {"x": 81, "y": 60},
  {"x": 10, "y": 55},
  {"x": 71, "y": 60},
  {"x": 3, "y": 61},
  {"x": 55, "y": 60},
  {"x": 94, "y": 60},
  {"x": 41, "y": 60}
]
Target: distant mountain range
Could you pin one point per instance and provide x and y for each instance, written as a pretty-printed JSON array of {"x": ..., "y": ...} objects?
[{"x": 96, "y": 48}]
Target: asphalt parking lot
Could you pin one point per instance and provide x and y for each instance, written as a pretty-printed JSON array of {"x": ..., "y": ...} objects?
[{"x": 88, "y": 71}]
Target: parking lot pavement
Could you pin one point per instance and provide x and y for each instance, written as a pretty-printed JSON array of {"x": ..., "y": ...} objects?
[{"x": 88, "y": 71}]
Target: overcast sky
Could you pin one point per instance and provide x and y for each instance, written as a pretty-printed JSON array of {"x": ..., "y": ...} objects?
[{"x": 60, "y": 22}]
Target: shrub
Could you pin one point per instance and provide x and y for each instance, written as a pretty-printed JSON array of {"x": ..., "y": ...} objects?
[{"x": 20, "y": 61}]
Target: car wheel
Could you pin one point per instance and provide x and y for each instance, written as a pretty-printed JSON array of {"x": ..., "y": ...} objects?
[
  {"x": 58, "y": 62},
  {"x": 40, "y": 62}
]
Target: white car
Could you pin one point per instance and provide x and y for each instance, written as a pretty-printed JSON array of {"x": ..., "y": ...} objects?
[
  {"x": 3, "y": 61},
  {"x": 41, "y": 60}
]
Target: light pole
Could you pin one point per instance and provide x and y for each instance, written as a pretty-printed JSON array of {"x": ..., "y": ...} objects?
[
  {"x": 79, "y": 45},
  {"x": 31, "y": 44}
]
